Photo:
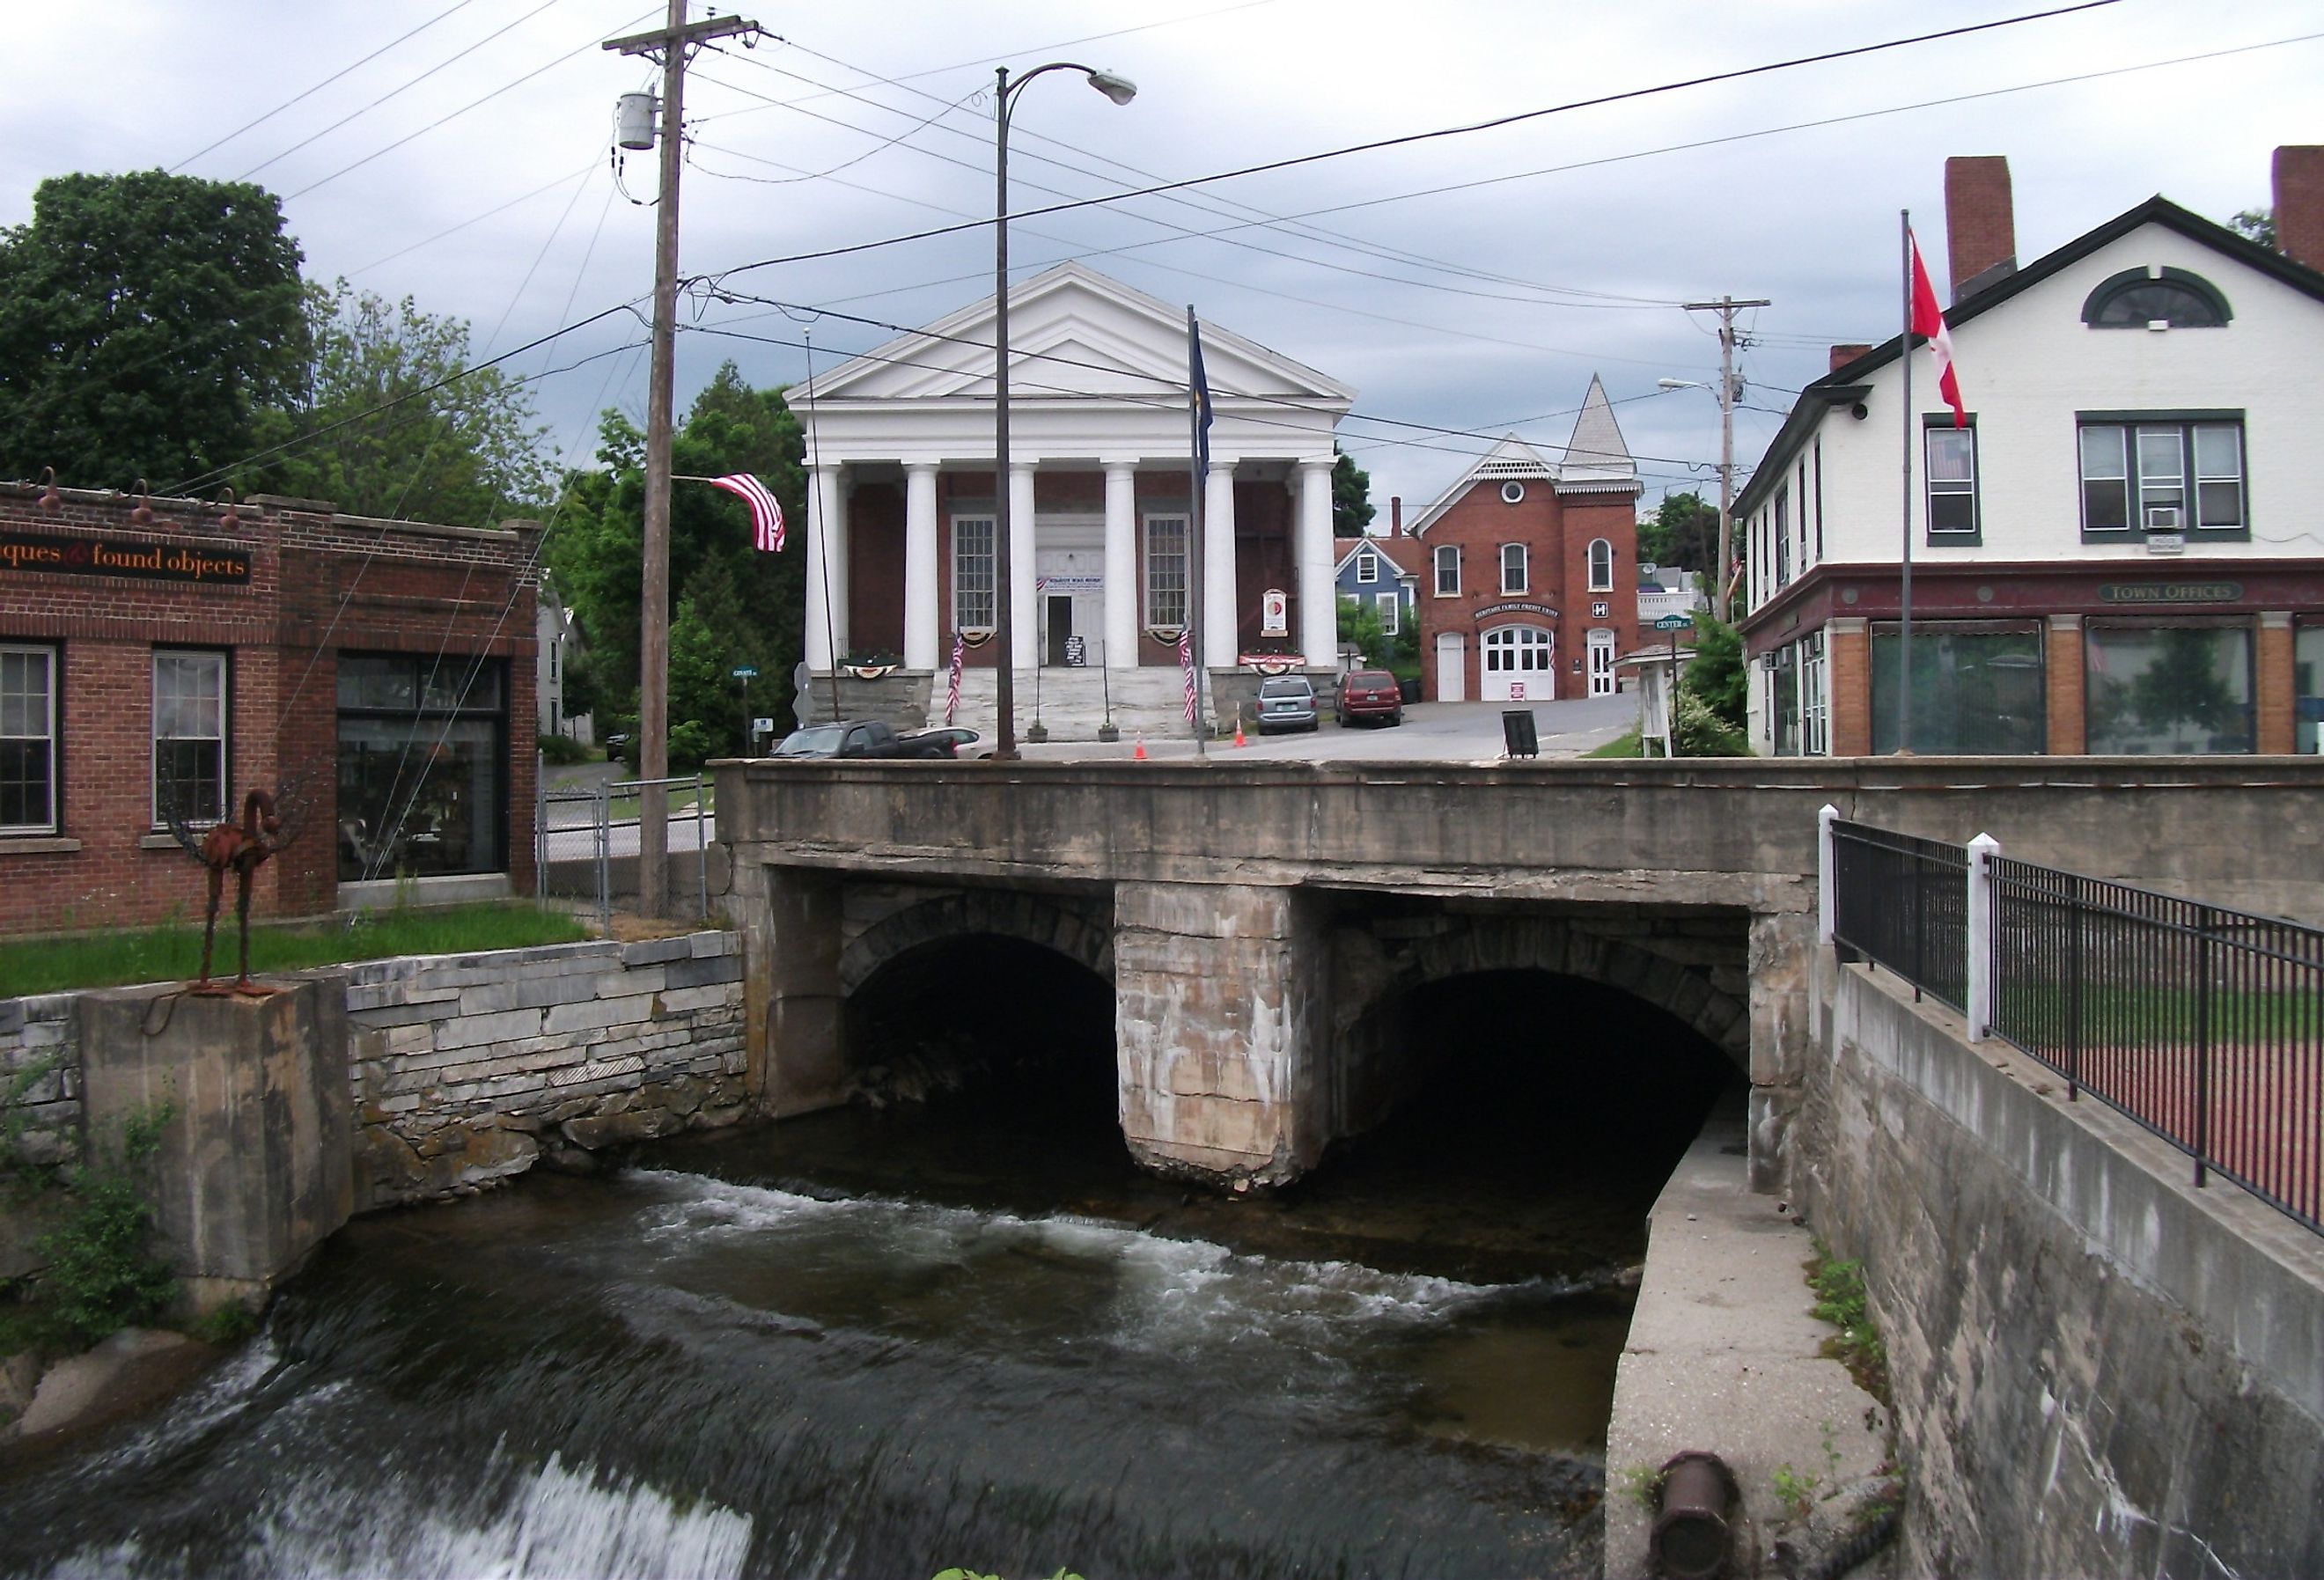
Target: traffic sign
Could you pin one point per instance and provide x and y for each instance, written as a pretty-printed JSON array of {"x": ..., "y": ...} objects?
[
  {"x": 743, "y": 672},
  {"x": 1674, "y": 623}
]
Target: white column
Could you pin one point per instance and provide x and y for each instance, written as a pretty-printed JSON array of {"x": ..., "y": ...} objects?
[
  {"x": 1021, "y": 606},
  {"x": 922, "y": 649},
  {"x": 1827, "y": 873},
  {"x": 1981, "y": 928},
  {"x": 1319, "y": 610},
  {"x": 1122, "y": 567},
  {"x": 1221, "y": 610},
  {"x": 826, "y": 569}
]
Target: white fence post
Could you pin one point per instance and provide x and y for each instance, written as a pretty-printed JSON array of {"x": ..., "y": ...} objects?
[
  {"x": 1981, "y": 852},
  {"x": 1827, "y": 900}
]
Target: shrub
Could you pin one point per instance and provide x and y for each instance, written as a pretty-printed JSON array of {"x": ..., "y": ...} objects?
[
  {"x": 1696, "y": 731},
  {"x": 102, "y": 1275},
  {"x": 563, "y": 751}
]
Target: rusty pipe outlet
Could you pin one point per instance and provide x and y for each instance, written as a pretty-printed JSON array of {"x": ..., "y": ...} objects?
[{"x": 1691, "y": 1537}]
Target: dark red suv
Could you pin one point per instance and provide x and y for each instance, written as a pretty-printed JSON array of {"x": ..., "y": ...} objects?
[{"x": 1370, "y": 694}]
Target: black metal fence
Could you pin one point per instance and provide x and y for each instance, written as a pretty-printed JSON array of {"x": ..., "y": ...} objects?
[
  {"x": 1903, "y": 901},
  {"x": 2203, "y": 1024}
]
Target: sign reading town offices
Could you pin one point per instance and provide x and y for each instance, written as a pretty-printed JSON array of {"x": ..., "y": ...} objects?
[{"x": 60, "y": 554}]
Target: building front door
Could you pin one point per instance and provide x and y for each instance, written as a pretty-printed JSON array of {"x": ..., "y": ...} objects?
[
  {"x": 1058, "y": 622},
  {"x": 1601, "y": 663},
  {"x": 1452, "y": 667}
]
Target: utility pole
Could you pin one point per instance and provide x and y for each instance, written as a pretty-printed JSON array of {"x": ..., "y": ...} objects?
[
  {"x": 671, "y": 43},
  {"x": 1725, "y": 307}
]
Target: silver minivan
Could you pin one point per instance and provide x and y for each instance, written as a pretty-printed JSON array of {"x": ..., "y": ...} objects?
[{"x": 1285, "y": 702}]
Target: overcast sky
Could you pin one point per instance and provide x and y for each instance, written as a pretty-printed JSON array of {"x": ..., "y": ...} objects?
[{"x": 1465, "y": 282}]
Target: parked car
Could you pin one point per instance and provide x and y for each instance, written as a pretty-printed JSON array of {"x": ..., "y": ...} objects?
[
  {"x": 863, "y": 738},
  {"x": 952, "y": 741},
  {"x": 1370, "y": 694},
  {"x": 1285, "y": 702}
]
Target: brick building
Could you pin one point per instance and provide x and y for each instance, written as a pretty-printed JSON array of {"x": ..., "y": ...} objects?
[
  {"x": 1528, "y": 571},
  {"x": 380, "y": 672}
]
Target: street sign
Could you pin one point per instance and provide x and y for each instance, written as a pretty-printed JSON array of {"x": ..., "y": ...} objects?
[
  {"x": 1674, "y": 623},
  {"x": 743, "y": 672},
  {"x": 764, "y": 724}
]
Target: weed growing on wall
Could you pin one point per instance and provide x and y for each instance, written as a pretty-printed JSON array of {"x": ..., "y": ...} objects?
[
  {"x": 1841, "y": 1300},
  {"x": 101, "y": 1273}
]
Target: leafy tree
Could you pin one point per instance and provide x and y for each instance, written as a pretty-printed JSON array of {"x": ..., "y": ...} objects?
[
  {"x": 1360, "y": 622},
  {"x": 756, "y": 616},
  {"x": 1352, "y": 496},
  {"x": 1715, "y": 674},
  {"x": 1698, "y": 731},
  {"x": 2257, "y": 225},
  {"x": 145, "y": 321},
  {"x": 379, "y": 431},
  {"x": 1683, "y": 532}
]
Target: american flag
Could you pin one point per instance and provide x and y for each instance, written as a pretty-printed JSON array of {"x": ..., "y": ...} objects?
[
  {"x": 952, "y": 696},
  {"x": 766, "y": 510},
  {"x": 1186, "y": 664}
]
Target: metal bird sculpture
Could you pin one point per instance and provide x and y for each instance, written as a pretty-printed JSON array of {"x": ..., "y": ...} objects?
[{"x": 270, "y": 821}]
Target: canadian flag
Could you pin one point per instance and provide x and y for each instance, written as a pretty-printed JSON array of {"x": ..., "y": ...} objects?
[{"x": 1929, "y": 322}]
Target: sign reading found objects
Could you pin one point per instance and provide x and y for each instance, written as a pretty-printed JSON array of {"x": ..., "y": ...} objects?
[{"x": 74, "y": 556}]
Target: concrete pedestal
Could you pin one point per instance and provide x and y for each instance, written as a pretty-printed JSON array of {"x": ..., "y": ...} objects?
[{"x": 255, "y": 1168}]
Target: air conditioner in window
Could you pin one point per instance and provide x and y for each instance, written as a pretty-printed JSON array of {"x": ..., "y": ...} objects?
[{"x": 2161, "y": 518}]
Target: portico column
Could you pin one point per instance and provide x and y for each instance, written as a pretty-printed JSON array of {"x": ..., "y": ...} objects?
[
  {"x": 1122, "y": 567},
  {"x": 827, "y": 569},
  {"x": 1319, "y": 613},
  {"x": 1027, "y": 635},
  {"x": 1222, "y": 612},
  {"x": 921, "y": 646}
]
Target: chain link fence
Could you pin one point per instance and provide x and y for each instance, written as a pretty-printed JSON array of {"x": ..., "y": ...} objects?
[{"x": 587, "y": 846}]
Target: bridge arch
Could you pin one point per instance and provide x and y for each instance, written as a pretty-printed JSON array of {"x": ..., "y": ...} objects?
[{"x": 1060, "y": 926}]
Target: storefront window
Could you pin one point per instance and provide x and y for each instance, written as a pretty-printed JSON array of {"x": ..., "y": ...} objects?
[
  {"x": 1976, "y": 689},
  {"x": 1786, "y": 694},
  {"x": 423, "y": 745},
  {"x": 2154, "y": 690},
  {"x": 2308, "y": 689}
]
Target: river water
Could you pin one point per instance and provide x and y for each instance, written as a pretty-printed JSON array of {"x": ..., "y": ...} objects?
[{"x": 874, "y": 1343}]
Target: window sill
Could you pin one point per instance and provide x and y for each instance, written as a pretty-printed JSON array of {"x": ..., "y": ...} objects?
[
  {"x": 38, "y": 845},
  {"x": 162, "y": 840},
  {"x": 1954, "y": 540}
]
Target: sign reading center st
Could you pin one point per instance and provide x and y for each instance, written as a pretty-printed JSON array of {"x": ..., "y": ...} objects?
[{"x": 58, "y": 554}]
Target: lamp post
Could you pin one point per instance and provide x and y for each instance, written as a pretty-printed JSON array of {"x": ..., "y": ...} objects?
[{"x": 1121, "y": 90}]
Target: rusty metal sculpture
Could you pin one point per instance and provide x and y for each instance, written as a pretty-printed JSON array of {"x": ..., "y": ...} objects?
[{"x": 240, "y": 848}]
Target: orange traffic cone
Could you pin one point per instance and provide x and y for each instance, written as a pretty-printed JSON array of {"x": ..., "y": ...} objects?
[
  {"x": 1238, "y": 729},
  {"x": 1139, "y": 755}
]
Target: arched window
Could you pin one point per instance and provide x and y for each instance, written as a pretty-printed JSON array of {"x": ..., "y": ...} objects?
[
  {"x": 1601, "y": 566},
  {"x": 2137, "y": 298}
]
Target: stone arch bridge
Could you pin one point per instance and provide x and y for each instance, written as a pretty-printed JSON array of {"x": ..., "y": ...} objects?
[{"x": 1251, "y": 916}]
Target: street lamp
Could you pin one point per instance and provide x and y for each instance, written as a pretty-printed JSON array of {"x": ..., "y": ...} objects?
[
  {"x": 1725, "y": 391},
  {"x": 1121, "y": 90}
]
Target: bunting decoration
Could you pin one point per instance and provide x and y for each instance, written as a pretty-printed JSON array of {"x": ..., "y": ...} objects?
[{"x": 952, "y": 692}]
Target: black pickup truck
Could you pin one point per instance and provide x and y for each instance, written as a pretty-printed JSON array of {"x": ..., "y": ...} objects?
[{"x": 868, "y": 737}]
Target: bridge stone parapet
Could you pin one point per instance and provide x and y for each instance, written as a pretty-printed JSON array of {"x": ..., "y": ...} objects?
[{"x": 1225, "y": 889}]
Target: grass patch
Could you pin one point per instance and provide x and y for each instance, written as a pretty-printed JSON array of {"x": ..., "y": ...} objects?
[
  {"x": 171, "y": 952},
  {"x": 1626, "y": 745},
  {"x": 1841, "y": 1300},
  {"x": 2156, "y": 1016}
]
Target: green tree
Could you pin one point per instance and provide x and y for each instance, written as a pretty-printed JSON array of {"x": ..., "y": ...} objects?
[
  {"x": 1360, "y": 622},
  {"x": 2257, "y": 225},
  {"x": 1352, "y": 496},
  {"x": 1715, "y": 674},
  {"x": 145, "y": 321},
  {"x": 1683, "y": 532},
  {"x": 389, "y": 421},
  {"x": 597, "y": 549}
]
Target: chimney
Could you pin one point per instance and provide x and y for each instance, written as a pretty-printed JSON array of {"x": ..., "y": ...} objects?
[
  {"x": 1841, "y": 356},
  {"x": 1395, "y": 515},
  {"x": 1980, "y": 228},
  {"x": 2299, "y": 204}
]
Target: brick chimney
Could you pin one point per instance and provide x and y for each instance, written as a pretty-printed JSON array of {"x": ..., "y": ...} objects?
[
  {"x": 1841, "y": 356},
  {"x": 2299, "y": 204},
  {"x": 1395, "y": 515},
  {"x": 1980, "y": 227}
]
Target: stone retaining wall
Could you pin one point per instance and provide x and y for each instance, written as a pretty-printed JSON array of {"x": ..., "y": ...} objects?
[
  {"x": 469, "y": 1068},
  {"x": 2098, "y": 1368},
  {"x": 39, "y": 1103}
]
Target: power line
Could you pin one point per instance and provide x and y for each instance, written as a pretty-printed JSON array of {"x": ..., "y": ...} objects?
[
  {"x": 310, "y": 93},
  {"x": 476, "y": 219}
]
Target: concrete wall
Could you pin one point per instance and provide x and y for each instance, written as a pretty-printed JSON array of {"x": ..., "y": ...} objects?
[
  {"x": 2099, "y": 1369},
  {"x": 468, "y": 1068}
]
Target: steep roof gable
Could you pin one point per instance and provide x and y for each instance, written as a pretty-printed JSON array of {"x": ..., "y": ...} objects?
[
  {"x": 1597, "y": 457},
  {"x": 1345, "y": 550},
  {"x": 1074, "y": 332},
  {"x": 1512, "y": 459}
]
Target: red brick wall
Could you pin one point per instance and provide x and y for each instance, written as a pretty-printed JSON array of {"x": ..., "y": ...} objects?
[
  {"x": 319, "y": 585},
  {"x": 2299, "y": 179},
  {"x": 1557, "y": 532},
  {"x": 875, "y": 568},
  {"x": 1980, "y": 224}
]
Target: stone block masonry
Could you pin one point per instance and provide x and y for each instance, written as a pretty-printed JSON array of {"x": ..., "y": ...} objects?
[
  {"x": 40, "y": 1102},
  {"x": 467, "y": 1069}
]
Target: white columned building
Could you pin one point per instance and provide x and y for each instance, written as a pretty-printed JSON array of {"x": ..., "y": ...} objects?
[{"x": 902, "y": 510}]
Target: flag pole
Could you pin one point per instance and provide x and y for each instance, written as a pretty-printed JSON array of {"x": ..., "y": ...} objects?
[
  {"x": 1194, "y": 569},
  {"x": 815, "y": 503},
  {"x": 1905, "y": 594}
]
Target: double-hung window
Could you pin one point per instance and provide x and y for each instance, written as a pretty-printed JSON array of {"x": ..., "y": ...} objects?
[
  {"x": 1166, "y": 571},
  {"x": 1782, "y": 536},
  {"x": 2160, "y": 472},
  {"x": 1601, "y": 566},
  {"x": 1448, "y": 570},
  {"x": 1951, "y": 476},
  {"x": 971, "y": 573},
  {"x": 28, "y": 740},
  {"x": 1513, "y": 568},
  {"x": 1368, "y": 567},
  {"x": 188, "y": 736},
  {"x": 1391, "y": 611}
]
